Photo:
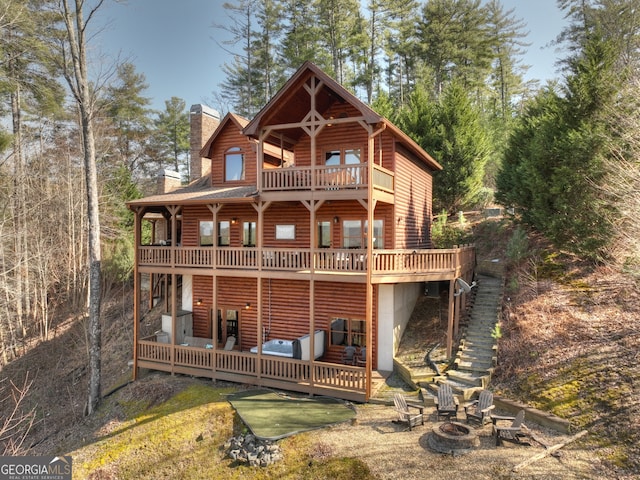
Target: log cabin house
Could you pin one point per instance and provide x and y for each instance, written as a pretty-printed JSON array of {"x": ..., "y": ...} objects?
[{"x": 303, "y": 231}]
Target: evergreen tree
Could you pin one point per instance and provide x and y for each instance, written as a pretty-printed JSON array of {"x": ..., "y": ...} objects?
[
  {"x": 461, "y": 145},
  {"x": 128, "y": 110},
  {"x": 451, "y": 130},
  {"x": 170, "y": 139},
  {"x": 301, "y": 37},
  {"x": 455, "y": 42},
  {"x": 555, "y": 160},
  {"x": 340, "y": 33}
]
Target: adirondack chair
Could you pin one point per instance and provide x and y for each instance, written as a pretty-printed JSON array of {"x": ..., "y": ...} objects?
[
  {"x": 479, "y": 410},
  {"x": 361, "y": 358},
  {"x": 517, "y": 432},
  {"x": 405, "y": 415},
  {"x": 446, "y": 403},
  {"x": 348, "y": 355}
]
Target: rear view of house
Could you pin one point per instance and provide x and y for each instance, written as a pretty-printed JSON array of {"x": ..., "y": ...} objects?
[{"x": 304, "y": 230}]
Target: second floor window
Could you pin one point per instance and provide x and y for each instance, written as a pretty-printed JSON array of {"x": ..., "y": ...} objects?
[{"x": 234, "y": 165}]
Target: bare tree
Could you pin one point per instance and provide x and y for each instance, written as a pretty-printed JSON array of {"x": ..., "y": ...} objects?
[
  {"x": 17, "y": 423},
  {"x": 80, "y": 86}
]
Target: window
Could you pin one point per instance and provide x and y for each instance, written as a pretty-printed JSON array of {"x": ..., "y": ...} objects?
[
  {"x": 351, "y": 234},
  {"x": 378, "y": 233},
  {"x": 285, "y": 232},
  {"x": 352, "y": 156},
  {"x": 332, "y": 157},
  {"x": 234, "y": 165},
  {"x": 347, "y": 156},
  {"x": 206, "y": 233},
  {"x": 354, "y": 236},
  {"x": 324, "y": 234},
  {"x": 347, "y": 331},
  {"x": 224, "y": 236},
  {"x": 249, "y": 234}
]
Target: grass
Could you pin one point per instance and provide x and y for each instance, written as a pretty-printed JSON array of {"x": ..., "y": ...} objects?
[{"x": 184, "y": 436}]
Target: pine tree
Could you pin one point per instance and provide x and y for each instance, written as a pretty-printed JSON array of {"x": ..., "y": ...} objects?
[
  {"x": 128, "y": 110},
  {"x": 171, "y": 136}
]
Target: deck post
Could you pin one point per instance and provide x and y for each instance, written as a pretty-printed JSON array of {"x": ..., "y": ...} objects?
[
  {"x": 136, "y": 289},
  {"x": 450, "y": 315}
]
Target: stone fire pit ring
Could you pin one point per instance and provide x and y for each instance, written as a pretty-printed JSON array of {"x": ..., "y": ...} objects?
[{"x": 453, "y": 438}]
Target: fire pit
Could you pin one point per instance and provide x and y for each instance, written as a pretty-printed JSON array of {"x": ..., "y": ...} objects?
[{"x": 453, "y": 438}]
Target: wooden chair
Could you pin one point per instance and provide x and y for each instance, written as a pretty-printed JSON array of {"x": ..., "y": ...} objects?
[
  {"x": 361, "y": 358},
  {"x": 479, "y": 411},
  {"x": 405, "y": 415},
  {"x": 231, "y": 342},
  {"x": 349, "y": 355},
  {"x": 517, "y": 432},
  {"x": 446, "y": 403}
]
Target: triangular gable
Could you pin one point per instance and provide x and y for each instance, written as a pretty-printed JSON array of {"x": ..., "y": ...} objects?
[
  {"x": 296, "y": 84},
  {"x": 286, "y": 107},
  {"x": 232, "y": 118}
]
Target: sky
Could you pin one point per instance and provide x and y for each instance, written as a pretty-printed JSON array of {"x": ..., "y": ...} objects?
[{"x": 173, "y": 43}]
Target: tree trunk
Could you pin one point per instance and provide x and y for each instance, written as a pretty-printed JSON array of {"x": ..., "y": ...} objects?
[{"x": 79, "y": 84}]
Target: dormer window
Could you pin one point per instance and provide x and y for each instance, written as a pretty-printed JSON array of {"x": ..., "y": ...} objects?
[{"x": 234, "y": 165}]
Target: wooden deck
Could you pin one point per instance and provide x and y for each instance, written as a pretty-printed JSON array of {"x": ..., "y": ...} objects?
[
  {"x": 319, "y": 378},
  {"x": 387, "y": 265}
]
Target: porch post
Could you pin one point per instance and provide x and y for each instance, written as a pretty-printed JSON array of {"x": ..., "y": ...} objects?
[
  {"x": 450, "y": 316},
  {"x": 136, "y": 289},
  {"x": 371, "y": 205},
  {"x": 174, "y": 282}
]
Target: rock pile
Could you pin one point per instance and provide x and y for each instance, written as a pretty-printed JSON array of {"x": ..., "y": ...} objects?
[{"x": 253, "y": 451}]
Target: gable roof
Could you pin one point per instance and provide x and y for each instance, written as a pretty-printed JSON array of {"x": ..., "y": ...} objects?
[
  {"x": 291, "y": 104},
  {"x": 232, "y": 118}
]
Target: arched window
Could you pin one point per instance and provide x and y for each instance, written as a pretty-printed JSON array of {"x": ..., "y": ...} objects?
[{"x": 234, "y": 165}]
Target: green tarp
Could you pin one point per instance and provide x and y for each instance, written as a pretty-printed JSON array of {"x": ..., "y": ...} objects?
[{"x": 271, "y": 416}]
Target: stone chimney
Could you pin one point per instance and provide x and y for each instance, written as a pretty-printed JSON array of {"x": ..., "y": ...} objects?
[
  {"x": 204, "y": 120},
  {"x": 168, "y": 180}
]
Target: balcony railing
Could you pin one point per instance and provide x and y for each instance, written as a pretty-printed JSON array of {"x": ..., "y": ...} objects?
[
  {"x": 385, "y": 262},
  {"x": 334, "y": 177},
  {"x": 345, "y": 381}
]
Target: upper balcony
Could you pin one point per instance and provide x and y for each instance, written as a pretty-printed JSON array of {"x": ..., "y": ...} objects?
[
  {"x": 335, "y": 177},
  {"x": 387, "y": 265}
]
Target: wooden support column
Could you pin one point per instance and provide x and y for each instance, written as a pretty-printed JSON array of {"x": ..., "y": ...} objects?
[
  {"x": 174, "y": 281},
  {"x": 456, "y": 318},
  {"x": 369, "y": 286},
  {"x": 137, "y": 284},
  {"x": 450, "y": 314}
]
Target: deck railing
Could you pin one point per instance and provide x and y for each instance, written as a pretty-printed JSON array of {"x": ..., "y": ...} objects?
[
  {"x": 385, "y": 262},
  {"x": 247, "y": 367},
  {"x": 326, "y": 177}
]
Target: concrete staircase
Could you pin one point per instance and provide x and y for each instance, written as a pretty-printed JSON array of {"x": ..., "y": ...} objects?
[{"x": 477, "y": 352}]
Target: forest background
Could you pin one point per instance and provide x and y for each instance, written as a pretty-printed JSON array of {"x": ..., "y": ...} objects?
[{"x": 563, "y": 157}]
